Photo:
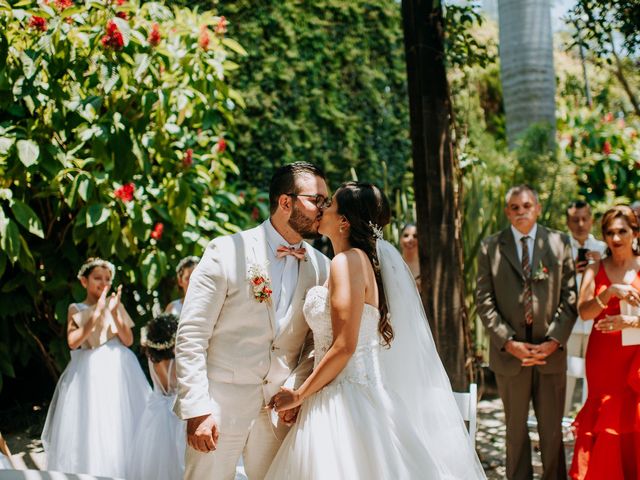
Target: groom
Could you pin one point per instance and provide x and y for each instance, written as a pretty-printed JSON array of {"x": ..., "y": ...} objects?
[{"x": 242, "y": 334}]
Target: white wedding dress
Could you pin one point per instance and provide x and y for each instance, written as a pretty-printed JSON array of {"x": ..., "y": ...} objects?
[{"x": 362, "y": 425}]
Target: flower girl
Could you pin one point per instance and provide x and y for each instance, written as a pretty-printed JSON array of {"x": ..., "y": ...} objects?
[
  {"x": 160, "y": 441},
  {"x": 101, "y": 394},
  {"x": 183, "y": 271}
]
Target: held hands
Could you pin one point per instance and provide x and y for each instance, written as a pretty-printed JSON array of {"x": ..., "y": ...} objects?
[
  {"x": 625, "y": 292},
  {"x": 285, "y": 399},
  {"x": 529, "y": 353},
  {"x": 202, "y": 433},
  {"x": 114, "y": 301},
  {"x": 615, "y": 323}
]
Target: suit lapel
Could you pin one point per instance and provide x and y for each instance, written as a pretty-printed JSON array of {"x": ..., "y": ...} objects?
[
  {"x": 540, "y": 247},
  {"x": 259, "y": 249},
  {"x": 508, "y": 249}
]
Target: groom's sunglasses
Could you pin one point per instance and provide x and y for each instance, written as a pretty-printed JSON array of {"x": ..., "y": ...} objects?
[{"x": 320, "y": 200}]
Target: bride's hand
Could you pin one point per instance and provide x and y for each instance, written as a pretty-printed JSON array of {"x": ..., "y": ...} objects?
[{"x": 286, "y": 399}]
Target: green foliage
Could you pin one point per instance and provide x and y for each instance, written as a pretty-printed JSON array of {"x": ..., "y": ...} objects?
[
  {"x": 599, "y": 19},
  {"x": 113, "y": 142},
  {"x": 324, "y": 82},
  {"x": 606, "y": 153}
]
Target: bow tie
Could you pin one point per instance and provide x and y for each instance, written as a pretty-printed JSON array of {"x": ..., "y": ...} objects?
[{"x": 283, "y": 251}]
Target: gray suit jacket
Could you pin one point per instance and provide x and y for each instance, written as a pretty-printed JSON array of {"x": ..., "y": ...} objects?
[{"x": 500, "y": 296}]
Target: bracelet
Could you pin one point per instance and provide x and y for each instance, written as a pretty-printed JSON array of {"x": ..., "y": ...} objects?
[{"x": 599, "y": 302}]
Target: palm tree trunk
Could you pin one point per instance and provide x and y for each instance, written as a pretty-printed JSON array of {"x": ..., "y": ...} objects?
[{"x": 526, "y": 65}]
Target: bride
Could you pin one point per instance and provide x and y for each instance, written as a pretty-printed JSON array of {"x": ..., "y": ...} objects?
[{"x": 378, "y": 404}]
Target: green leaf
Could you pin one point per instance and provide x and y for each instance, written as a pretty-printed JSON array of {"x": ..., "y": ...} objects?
[
  {"x": 153, "y": 268},
  {"x": 28, "y": 152},
  {"x": 3, "y": 263},
  {"x": 27, "y": 218},
  {"x": 84, "y": 186},
  {"x": 10, "y": 241},
  {"x": 234, "y": 45},
  {"x": 97, "y": 214}
]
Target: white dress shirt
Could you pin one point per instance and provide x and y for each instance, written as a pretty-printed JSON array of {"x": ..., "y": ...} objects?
[
  {"x": 592, "y": 243},
  {"x": 530, "y": 243},
  {"x": 283, "y": 272}
]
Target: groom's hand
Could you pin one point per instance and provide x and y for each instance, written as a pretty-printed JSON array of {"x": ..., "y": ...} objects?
[
  {"x": 202, "y": 433},
  {"x": 288, "y": 417}
]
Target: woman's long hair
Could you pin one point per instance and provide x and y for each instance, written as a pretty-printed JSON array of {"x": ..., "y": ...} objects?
[
  {"x": 624, "y": 212},
  {"x": 365, "y": 207}
]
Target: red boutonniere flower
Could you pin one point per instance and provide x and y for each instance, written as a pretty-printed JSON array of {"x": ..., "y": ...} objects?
[
  {"x": 260, "y": 283},
  {"x": 541, "y": 273}
]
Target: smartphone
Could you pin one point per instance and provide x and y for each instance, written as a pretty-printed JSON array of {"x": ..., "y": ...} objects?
[{"x": 582, "y": 255}]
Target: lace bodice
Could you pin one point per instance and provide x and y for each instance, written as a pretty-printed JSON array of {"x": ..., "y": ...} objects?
[{"x": 363, "y": 367}]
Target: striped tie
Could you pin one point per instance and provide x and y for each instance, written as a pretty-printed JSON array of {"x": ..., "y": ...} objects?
[{"x": 526, "y": 268}]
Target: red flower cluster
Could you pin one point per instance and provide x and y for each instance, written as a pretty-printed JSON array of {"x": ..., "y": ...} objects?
[
  {"x": 39, "y": 23},
  {"x": 221, "y": 146},
  {"x": 221, "y": 27},
  {"x": 120, "y": 2},
  {"x": 157, "y": 231},
  {"x": 187, "y": 160},
  {"x": 203, "y": 39},
  {"x": 122, "y": 15},
  {"x": 608, "y": 117},
  {"x": 63, "y": 4},
  {"x": 606, "y": 148},
  {"x": 154, "y": 35},
  {"x": 113, "y": 38},
  {"x": 125, "y": 192},
  {"x": 255, "y": 214}
]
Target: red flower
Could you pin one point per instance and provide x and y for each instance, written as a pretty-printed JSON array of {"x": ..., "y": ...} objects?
[
  {"x": 221, "y": 146},
  {"x": 154, "y": 35},
  {"x": 258, "y": 280},
  {"x": 203, "y": 40},
  {"x": 255, "y": 214},
  {"x": 113, "y": 38},
  {"x": 221, "y": 27},
  {"x": 125, "y": 192},
  {"x": 267, "y": 291},
  {"x": 606, "y": 148},
  {"x": 120, "y": 2},
  {"x": 608, "y": 117},
  {"x": 122, "y": 15},
  {"x": 63, "y": 4},
  {"x": 187, "y": 160},
  {"x": 157, "y": 231},
  {"x": 39, "y": 23}
]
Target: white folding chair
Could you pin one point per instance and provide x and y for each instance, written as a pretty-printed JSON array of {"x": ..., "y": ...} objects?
[
  {"x": 576, "y": 369},
  {"x": 468, "y": 405}
]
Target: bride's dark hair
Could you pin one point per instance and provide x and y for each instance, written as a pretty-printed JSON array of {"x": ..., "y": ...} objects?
[{"x": 364, "y": 205}]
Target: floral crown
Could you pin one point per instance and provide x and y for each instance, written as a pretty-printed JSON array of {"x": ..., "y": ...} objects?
[
  {"x": 145, "y": 342},
  {"x": 376, "y": 229},
  {"x": 96, "y": 262},
  {"x": 186, "y": 261}
]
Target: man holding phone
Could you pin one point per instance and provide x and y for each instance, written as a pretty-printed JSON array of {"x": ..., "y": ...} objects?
[{"x": 585, "y": 249}]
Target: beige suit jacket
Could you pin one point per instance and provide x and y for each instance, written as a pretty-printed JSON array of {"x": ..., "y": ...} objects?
[
  {"x": 229, "y": 359},
  {"x": 500, "y": 297}
]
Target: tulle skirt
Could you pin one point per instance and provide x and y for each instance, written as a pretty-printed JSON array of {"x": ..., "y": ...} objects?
[
  {"x": 94, "y": 412},
  {"x": 354, "y": 431},
  {"x": 160, "y": 441}
]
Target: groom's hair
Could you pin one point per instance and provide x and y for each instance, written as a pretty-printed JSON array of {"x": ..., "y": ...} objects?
[{"x": 283, "y": 180}]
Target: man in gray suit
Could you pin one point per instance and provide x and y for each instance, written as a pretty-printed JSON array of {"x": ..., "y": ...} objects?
[{"x": 526, "y": 298}]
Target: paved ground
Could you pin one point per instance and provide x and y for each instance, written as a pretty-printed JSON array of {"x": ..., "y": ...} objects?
[{"x": 490, "y": 441}]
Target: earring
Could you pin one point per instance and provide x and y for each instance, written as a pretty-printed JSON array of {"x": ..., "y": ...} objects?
[{"x": 340, "y": 229}]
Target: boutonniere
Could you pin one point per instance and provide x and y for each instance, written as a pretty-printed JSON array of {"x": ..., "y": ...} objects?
[
  {"x": 260, "y": 283},
  {"x": 540, "y": 273}
]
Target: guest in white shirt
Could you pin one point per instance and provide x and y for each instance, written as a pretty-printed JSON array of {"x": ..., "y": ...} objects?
[{"x": 585, "y": 249}]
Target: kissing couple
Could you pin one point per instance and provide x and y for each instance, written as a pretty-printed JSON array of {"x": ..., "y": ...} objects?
[{"x": 309, "y": 368}]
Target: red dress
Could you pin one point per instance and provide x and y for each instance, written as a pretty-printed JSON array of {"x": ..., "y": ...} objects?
[{"x": 608, "y": 426}]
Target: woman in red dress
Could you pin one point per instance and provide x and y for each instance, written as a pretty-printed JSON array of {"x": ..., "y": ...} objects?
[{"x": 608, "y": 426}]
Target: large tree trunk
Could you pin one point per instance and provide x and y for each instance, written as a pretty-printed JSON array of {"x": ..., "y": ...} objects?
[
  {"x": 436, "y": 180},
  {"x": 526, "y": 65}
]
